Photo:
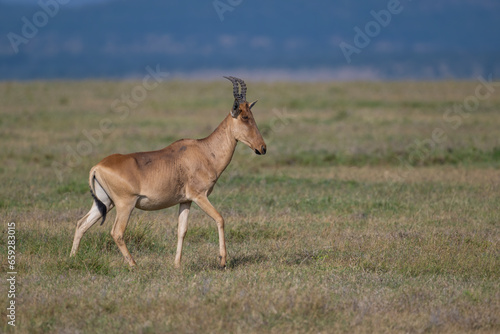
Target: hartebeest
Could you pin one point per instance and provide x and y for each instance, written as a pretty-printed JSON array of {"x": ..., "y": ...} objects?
[{"x": 181, "y": 173}]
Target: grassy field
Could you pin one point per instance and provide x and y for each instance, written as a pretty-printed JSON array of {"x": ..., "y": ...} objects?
[{"x": 376, "y": 209}]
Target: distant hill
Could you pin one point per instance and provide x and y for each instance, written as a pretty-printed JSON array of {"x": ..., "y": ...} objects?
[{"x": 118, "y": 39}]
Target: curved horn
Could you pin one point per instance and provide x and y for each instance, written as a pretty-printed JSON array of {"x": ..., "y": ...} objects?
[
  {"x": 237, "y": 95},
  {"x": 243, "y": 89},
  {"x": 235, "y": 87}
]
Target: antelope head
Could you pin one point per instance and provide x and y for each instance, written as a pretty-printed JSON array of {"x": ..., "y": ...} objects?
[{"x": 243, "y": 123}]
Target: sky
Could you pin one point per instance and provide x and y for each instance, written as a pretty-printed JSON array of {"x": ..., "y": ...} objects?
[{"x": 316, "y": 40}]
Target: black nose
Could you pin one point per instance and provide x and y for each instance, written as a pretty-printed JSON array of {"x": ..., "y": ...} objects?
[{"x": 262, "y": 150}]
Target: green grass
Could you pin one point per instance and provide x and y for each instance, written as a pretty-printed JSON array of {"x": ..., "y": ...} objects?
[{"x": 348, "y": 224}]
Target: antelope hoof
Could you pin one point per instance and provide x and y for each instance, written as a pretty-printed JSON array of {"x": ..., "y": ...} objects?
[
  {"x": 222, "y": 262},
  {"x": 131, "y": 262}
]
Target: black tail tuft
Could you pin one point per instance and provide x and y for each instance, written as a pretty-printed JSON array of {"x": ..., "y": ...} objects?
[{"x": 100, "y": 206}]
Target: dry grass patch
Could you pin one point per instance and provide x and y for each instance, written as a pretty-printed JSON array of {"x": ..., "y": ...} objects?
[{"x": 331, "y": 231}]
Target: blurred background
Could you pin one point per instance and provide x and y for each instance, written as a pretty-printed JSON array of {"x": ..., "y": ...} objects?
[{"x": 260, "y": 39}]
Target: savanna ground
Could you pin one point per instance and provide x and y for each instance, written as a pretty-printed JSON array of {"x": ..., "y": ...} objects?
[{"x": 376, "y": 209}]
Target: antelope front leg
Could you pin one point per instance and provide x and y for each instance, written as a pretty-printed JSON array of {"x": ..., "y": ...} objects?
[
  {"x": 181, "y": 231},
  {"x": 206, "y": 206}
]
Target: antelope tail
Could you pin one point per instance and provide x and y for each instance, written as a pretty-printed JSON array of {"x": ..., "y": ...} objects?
[{"x": 100, "y": 205}]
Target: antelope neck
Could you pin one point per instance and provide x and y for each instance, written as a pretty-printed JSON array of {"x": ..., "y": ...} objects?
[{"x": 220, "y": 145}]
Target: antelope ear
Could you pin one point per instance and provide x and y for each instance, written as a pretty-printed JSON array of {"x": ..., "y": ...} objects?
[
  {"x": 253, "y": 103},
  {"x": 235, "y": 111}
]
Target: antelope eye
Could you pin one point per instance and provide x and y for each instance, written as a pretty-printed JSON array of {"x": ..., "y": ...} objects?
[{"x": 245, "y": 118}]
